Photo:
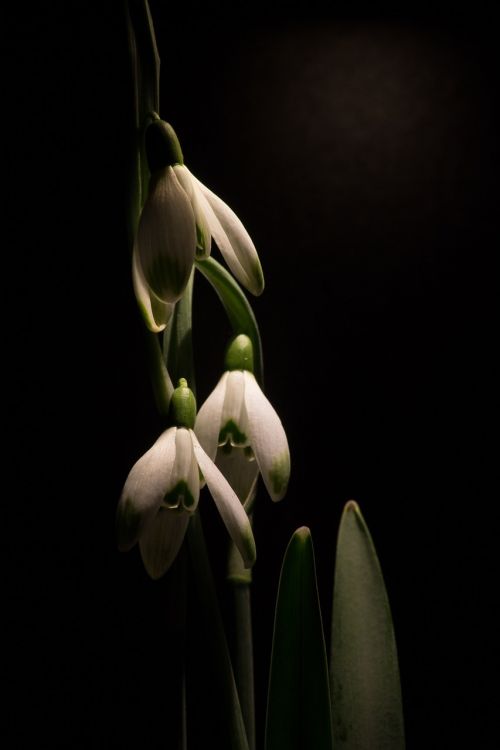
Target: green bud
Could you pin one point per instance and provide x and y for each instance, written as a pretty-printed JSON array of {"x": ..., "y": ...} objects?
[
  {"x": 239, "y": 354},
  {"x": 183, "y": 406},
  {"x": 162, "y": 146}
]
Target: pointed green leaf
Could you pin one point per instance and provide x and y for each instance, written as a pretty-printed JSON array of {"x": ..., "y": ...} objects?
[
  {"x": 213, "y": 710},
  {"x": 365, "y": 686},
  {"x": 298, "y": 712},
  {"x": 236, "y": 305}
]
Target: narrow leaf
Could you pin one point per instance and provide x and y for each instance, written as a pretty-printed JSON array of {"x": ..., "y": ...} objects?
[
  {"x": 365, "y": 686},
  {"x": 236, "y": 305},
  {"x": 298, "y": 711}
]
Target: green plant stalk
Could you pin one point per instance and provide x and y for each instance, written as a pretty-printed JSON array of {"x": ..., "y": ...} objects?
[
  {"x": 241, "y": 641},
  {"x": 209, "y": 670},
  {"x": 178, "y": 340},
  {"x": 237, "y": 307}
]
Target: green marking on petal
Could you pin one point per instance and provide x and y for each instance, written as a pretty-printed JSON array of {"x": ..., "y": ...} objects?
[
  {"x": 180, "y": 497},
  {"x": 279, "y": 473},
  {"x": 231, "y": 432},
  {"x": 201, "y": 245}
]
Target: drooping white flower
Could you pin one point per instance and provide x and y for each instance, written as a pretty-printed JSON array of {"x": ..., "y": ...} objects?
[
  {"x": 178, "y": 221},
  {"x": 161, "y": 493},
  {"x": 238, "y": 424}
]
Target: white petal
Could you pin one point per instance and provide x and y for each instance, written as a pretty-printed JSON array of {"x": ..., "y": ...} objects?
[
  {"x": 184, "y": 485},
  {"x": 268, "y": 439},
  {"x": 166, "y": 237},
  {"x": 233, "y": 240},
  {"x": 240, "y": 473},
  {"x": 155, "y": 312},
  {"x": 203, "y": 235},
  {"x": 144, "y": 489},
  {"x": 161, "y": 541},
  {"x": 228, "y": 505},
  {"x": 233, "y": 422},
  {"x": 208, "y": 420}
]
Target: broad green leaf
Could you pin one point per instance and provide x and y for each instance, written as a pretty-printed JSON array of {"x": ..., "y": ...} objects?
[
  {"x": 236, "y": 305},
  {"x": 365, "y": 686},
  {"x": 298, "y": 711},
  {"x": 213, "y": 710}
]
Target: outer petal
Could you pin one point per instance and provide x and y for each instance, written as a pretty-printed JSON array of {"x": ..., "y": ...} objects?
[
  {"x": 228, "y": 505},
  {"x": 233, "y": 240},
  {"x": 208, "y": 420},
  {"x": 161, "y": 541},
  {"x": 203, "y": 235},
  {"x": 268, "y": 439},
  {"x": 144, "y": 489},
  {"x": 166, "y": 238},
  {"x": 155, "y": 312}
]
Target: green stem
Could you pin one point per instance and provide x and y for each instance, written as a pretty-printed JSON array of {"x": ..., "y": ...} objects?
[
  {"x": 242, "y": 653},
  {"x": 160, "y": 379},
  {"x": 178, "y": 340},
  {"x": 237, "y": 307},
  {"x": 208, "y": 669}
]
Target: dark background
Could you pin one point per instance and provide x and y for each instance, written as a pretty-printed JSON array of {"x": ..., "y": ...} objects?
[{"x": 360, "y": 149}]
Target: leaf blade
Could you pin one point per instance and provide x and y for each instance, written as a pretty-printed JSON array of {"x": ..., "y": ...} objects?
[
  {"x": 298, "y": 715},
  {"x": 365, "y": 687}
]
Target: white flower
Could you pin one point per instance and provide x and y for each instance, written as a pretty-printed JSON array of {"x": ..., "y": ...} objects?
[
  {"x": 237, "y": 423},
  {"x": 160, "y": 494},
  {"x": 178, "y": 221}
]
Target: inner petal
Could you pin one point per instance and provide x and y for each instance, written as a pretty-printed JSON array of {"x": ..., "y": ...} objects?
[{"x": 234, "y": 421}]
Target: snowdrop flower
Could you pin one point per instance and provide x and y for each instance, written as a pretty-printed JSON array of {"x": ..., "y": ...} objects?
[
  {"x": 237, "y": 424},
  {"x": 162, "y": 490},
  {"x": 178, "y": 221}
]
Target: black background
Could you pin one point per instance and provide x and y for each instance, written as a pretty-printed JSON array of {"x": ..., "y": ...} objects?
[{"x": 360, "y": 149}]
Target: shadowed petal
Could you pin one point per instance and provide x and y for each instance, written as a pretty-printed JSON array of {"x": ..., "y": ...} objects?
[
  {"x": 144, "y": 489},
  {"x": 208, "y": 420},
  {"x": 233, "y": 240},
  {"x": 161, "y": 541},
  {"x": 228, "y": 505},
  {"x": 155, "y": 312},
  {"x": 166, "y": 238},
  {"x": 268, "y": 439},
  {"x": 240, "y": 472}
]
